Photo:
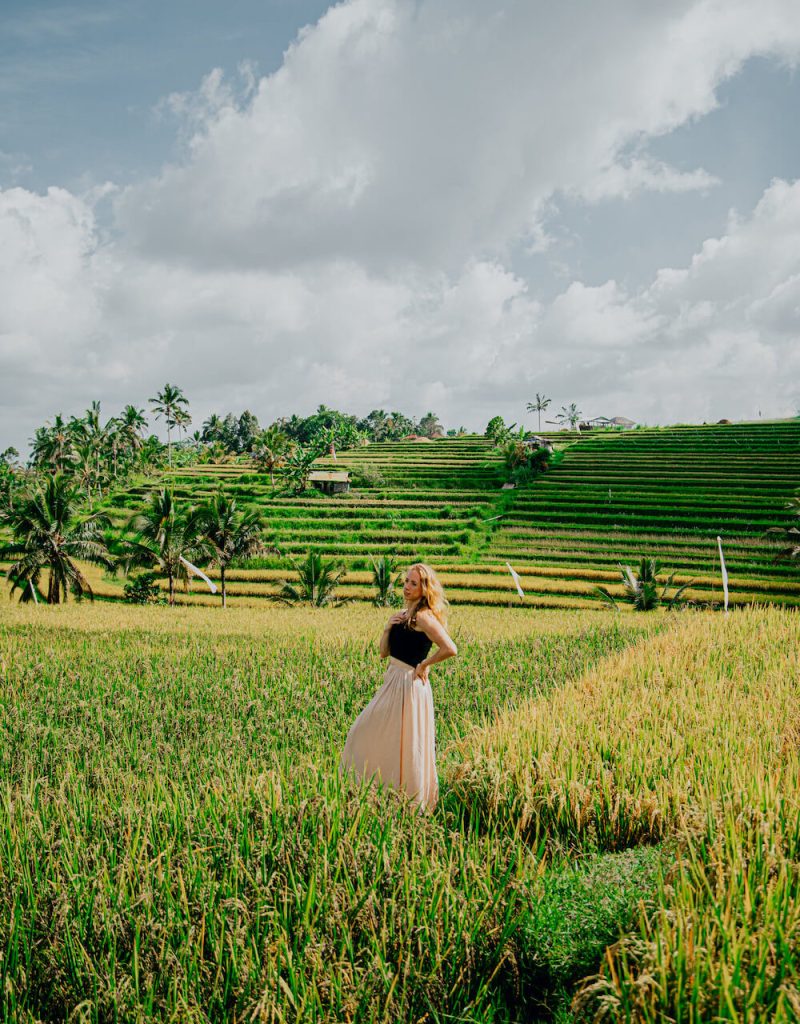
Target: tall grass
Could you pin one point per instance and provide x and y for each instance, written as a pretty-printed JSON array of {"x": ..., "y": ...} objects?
[
  {"x": 692, "y": 737},
  {"x": 176, "y": 842}
]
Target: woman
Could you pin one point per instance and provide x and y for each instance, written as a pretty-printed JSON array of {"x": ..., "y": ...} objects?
[{"x": 394, "y": 738}]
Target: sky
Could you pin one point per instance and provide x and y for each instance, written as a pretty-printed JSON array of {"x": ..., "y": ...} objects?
[{"x": 444, "y": 205}]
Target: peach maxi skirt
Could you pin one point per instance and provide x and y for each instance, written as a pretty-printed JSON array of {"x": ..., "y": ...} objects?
[{"x": 393, "y": 739}]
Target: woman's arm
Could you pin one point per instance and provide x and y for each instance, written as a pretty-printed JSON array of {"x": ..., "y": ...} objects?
[
  {"x": 383, "y": 643},
  {"x": 445, "y": 648}
]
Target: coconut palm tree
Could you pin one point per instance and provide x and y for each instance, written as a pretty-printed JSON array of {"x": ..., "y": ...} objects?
[
  {"x": 641, "y": 589},
  {"x": 316, "y": 582},
  {"x": 429, "y": 425},
  {"x": 270, "y": 450},
  {"x": 539, "y": 406},
  {"x": 50, "y": 532},
  {"x": 569, "y": 414},
  {"x": 53, "y": 445},
  {"x": 227, "y": 533},
  {"x": 164, "y": 536},
  {"x": 132, "y": 422},
  {"x": 384, "y": 581},
  {"x": 171, "y": 405}
]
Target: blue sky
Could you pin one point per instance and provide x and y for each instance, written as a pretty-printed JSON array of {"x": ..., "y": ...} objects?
[{"x": 445, "y": 204}]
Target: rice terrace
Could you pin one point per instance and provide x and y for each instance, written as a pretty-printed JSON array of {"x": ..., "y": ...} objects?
[{"x": 617, "y": 836}]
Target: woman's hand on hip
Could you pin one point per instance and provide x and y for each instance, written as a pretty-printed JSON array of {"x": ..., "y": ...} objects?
[{"x": 421, "y": 672}]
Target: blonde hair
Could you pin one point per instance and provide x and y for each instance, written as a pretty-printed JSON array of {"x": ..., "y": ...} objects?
[{"x": 432, "y": 594}]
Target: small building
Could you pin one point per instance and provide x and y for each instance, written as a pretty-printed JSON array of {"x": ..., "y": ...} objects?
[
  {"x": 605, "y": 422},
  {"x": 330, "y": 481},
  {"x": 534, "y": 441}
]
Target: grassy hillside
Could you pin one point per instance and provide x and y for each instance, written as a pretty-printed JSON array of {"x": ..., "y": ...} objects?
[{"x": 613, "y": 498}]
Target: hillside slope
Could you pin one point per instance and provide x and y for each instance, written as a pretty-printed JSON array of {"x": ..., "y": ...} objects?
[{"x": 613, "y": 498}]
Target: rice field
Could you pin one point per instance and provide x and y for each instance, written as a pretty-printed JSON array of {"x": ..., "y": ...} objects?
[
  {"x": 614, "y": 497},
  {"x": 617, "y": 836}
]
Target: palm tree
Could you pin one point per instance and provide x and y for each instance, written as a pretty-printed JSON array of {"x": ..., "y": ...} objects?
[
  {"x": 270, "y": 450},
  {"x": 132, "y": 422},
  {"x": 53, "y": 445},
  {"x": 171, "y": 405},
  {"x": 569, "y": 414},
  {"x": 316, "y": 582},
  {"x": 212, "y": 428},
  {"x": 539, "y": 406},
  {"x": 227, "y": 533},
  {"x": 429, "y": 425},
  {"x": 49, "y": 533},
  {"x": 164, "y": 536},
  {"x": 384, "y": 582},
  {"x": 641, "y": 589}
]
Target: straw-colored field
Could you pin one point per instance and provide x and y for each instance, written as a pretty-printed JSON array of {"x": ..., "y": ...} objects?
[{"x": 176, "y": 842}]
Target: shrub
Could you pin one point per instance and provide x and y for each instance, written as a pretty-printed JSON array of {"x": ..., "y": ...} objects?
[{"x": 143, "y": 589}]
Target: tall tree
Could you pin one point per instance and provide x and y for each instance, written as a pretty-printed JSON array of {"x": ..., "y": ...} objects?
[
  {"x": 569, "y": 414},
  {"x": 270, "y": 450},
  {"x": 247, "y": 430},
  {"x": 429, "y": 425},
  {"x": 164, "y": 536},
  {"x": 539, "y": 406},
  {"x": 226, "y": 533},
  {"x": 212, "y": 428},
  {"x": 171, "y": 405},
  {"x": 50, "y": 532},
  {"x": 132, "y": 423}
]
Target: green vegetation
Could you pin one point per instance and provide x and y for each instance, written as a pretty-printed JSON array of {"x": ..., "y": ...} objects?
[
  {"x": 606, "y": 498},
  {"x": 608, "y": 839},
  {"x": 642, "y": 588},
  {"x": 172, "y": 800}
]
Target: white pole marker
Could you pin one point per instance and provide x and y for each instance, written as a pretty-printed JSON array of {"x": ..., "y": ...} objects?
[
  {"x": 33, "y": 591},
  {"x": 516, "y": 580},
  {"x": 193, "y": 568},
  {"x": 724, "y": 572}
]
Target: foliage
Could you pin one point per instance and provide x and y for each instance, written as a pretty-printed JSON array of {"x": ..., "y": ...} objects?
[
  {"x": 495, "y": 428},
  {"x": 539, "y": 406},
  {"x": 234, "y": 434},
  {"x": 384, "y": 580},
  {"x": 52, "y": 532},
  {"x": 270, "y": 450},
  {"x": 316, "y": 582},
  {"x": 143, "y": 589},
  {"x": 225, "y": 533},
  {"x": 175, "y": 799},
  {"x": 382, "y": 426},
  {"x": 789, "y": 534},
  {"x": 429, "y": 426},
  {"x": 163, "y": 535},
  {"x": 172, "y": 405},
  {"x": 297, "y": 466},
  {"x": 367, "y": 476},
  {"x": 641, "y": 589},
  {"x": 569, "y": 414}
]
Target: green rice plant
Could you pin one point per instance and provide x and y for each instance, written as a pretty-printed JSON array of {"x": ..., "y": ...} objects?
[{"x": 177, "y": 842}]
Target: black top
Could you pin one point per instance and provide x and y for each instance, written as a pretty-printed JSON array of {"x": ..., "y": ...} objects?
[{"x": 409, "y": 645}]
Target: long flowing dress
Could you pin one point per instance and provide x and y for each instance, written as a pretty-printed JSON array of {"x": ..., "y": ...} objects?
[{"x": 393, "y": 740}]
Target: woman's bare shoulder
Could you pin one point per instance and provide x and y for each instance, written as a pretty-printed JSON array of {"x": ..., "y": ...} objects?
[{"x": 426, "y": 619}]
